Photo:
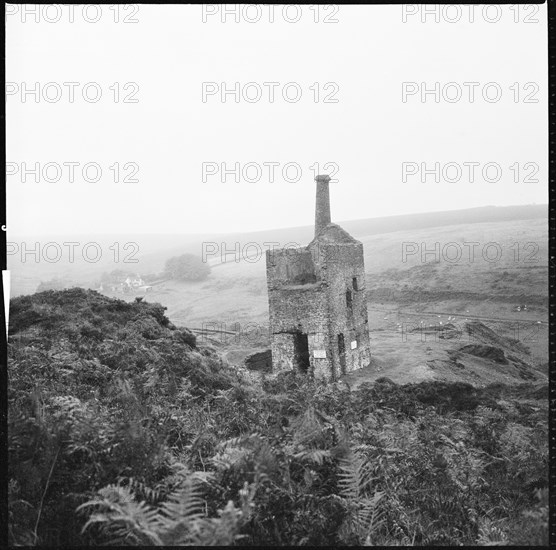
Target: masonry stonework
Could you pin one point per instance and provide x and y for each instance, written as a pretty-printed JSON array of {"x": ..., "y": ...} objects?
[{"x": 317, "y": 300}]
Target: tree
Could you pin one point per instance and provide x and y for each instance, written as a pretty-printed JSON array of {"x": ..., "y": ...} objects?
[{"x": 186, "y": 267}]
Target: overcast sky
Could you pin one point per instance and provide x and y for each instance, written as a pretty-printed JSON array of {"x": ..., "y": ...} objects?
[{"x": 361, "y": 61}]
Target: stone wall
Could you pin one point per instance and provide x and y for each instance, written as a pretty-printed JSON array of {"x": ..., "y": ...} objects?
[
  {"x": 289, "y": 266},
  {"x": 344, "y": 263},
  {"x": 319, "y": 309}
]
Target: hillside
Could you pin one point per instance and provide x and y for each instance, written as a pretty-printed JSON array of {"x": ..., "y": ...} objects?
[
  {"x": 399, "y": 293},
  {"x": 147, "y": 253},
  {"x": 125, "y": 429}
]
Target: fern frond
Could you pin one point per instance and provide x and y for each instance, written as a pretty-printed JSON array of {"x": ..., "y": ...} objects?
[
  {"x": 364, "y": 516},
  {"x": 184, "y": 504},
  {"x": 121, "y": 518},
  {"x": 308, "y": 429},
  {"x": 355, "y": 476},
  {"x": 250, "y": 440},
  {"x": 315, "y": 455}
]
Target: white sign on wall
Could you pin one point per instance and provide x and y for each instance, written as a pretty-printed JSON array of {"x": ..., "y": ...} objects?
[
  {"x": 319, "y": 354},
  {"x": 354, "y": 344}
]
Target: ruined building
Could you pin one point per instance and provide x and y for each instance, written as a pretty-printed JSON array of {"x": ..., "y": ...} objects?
[{"x": 318, "y": 309}]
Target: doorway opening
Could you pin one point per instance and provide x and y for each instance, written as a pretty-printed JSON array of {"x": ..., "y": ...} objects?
[{"x": 301, "y": 351}]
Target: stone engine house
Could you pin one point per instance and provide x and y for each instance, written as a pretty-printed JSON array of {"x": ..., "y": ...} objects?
[{"x": 317, "y": 300}]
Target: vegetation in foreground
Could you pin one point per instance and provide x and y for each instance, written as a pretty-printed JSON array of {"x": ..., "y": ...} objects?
[{"x": 123, "y": 431}]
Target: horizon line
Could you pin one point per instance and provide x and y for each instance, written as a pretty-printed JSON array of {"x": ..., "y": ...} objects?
[{"x": 295, "y": 226}]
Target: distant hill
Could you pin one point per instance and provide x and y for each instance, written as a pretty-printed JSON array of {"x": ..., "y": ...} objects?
[
  {"x": 358, "y": 228},
  {"x": 151, "y": 250}
]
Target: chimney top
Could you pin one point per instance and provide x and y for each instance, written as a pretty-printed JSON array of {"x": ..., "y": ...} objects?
[{"x": 322, "y": 206}]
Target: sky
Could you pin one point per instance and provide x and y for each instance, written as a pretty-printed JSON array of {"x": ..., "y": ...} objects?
[{"x": 160, "y": 149}]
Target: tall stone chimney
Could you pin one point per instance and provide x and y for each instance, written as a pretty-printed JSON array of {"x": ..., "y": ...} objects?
[{"x": 322, "y": 206}]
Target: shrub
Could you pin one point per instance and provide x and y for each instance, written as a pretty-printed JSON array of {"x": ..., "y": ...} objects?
[{"x": 122, "y": 431}]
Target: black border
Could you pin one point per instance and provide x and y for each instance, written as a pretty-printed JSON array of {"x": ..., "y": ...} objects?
[{"x": 551, "y": 20}]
